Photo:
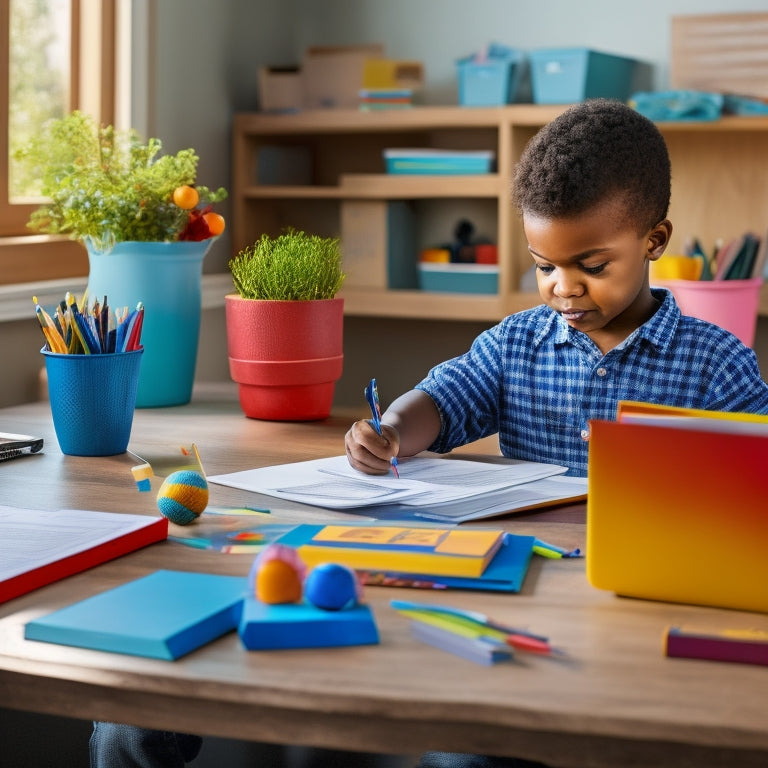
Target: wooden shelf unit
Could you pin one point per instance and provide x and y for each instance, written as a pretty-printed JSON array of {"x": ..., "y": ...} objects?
[{"x": 719, "y": 189}]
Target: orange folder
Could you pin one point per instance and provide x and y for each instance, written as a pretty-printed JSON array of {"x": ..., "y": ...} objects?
[{"x": 679, "y": 513}]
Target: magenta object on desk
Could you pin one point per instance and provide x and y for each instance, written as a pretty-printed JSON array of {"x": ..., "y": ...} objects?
[{"x": 93, "y": 398}]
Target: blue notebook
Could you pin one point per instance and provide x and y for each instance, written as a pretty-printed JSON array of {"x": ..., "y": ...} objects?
[
  {"x": 164, "y": 615},
  {"x": 505, "y": 573}
]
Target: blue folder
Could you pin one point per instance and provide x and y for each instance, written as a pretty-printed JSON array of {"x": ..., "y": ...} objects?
[
  {"x": 164, "y": 615},
  {"x": 505, "y": 573}
]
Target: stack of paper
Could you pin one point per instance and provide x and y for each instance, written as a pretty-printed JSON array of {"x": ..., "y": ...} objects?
[{"x": 452, "y": 490}]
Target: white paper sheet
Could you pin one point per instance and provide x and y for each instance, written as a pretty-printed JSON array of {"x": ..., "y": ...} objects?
[{"x": 423, "y": 481}]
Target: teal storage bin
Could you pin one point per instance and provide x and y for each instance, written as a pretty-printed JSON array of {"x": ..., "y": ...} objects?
[
  {"x": 438, "y": 161},
  {"x": 568, "y": 75},
  {"x": 491, "y": 81},
  {"x": 458, "y": 278}
]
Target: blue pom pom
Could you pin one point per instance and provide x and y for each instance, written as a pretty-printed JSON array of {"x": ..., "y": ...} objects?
[{"x": 331, "y": 586}]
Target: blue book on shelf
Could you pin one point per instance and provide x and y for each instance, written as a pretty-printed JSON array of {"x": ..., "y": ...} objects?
[
  {"x": 164, "y": 615},
  {"x": 302, "y": 625}
]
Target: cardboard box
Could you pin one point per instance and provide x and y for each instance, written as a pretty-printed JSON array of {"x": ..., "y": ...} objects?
[
  {"x": 280, "y": 89},
  {"x": 333, "y": 76},
  {"x": 378, "y": 244},
  {"x": 722, "y": 53}
]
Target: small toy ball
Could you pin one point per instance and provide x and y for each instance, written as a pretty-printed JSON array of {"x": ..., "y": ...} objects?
[
  {"x": 183, "y": 496},
  {"x": 331, "y": 586},
  {"x": 277, "y": 575}
]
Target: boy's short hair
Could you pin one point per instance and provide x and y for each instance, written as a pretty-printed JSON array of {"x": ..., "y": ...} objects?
[{"x": 594, "y": 150}]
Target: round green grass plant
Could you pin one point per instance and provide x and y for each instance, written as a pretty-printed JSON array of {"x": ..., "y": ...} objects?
[{"x": 293, "y": 266}]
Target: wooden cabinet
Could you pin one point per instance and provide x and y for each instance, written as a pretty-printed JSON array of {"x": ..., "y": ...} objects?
[{"x": 323, "y": 171}]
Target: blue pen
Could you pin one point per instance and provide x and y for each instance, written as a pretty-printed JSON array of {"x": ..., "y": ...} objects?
[{"x": 372, "y": 396}]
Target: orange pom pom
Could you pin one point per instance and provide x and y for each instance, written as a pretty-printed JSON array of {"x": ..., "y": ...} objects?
[
  {"x": 277, "y": 582},
  {"x": 277, "y": 575}
]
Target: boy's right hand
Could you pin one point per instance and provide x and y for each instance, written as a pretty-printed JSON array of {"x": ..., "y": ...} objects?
[{"x": 371, "y": 452}]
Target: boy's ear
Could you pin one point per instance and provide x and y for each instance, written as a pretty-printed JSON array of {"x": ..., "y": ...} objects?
[{"x": 658, "y": 239}]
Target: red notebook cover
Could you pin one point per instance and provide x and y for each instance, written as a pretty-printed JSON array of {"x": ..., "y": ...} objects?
[{"x": 86, "y": 556}]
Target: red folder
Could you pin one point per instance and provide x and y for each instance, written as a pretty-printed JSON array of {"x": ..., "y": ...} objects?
[{"x": 155, "y": 529}]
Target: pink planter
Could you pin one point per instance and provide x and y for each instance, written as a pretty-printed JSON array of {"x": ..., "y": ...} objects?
[{"x": 286, "y": 356}]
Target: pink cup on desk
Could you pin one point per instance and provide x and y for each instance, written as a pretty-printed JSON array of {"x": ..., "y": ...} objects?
[{"x": 93, "y": 398}]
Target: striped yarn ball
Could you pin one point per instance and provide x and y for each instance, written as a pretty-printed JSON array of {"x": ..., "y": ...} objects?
[{"x": 183, "y": 496}]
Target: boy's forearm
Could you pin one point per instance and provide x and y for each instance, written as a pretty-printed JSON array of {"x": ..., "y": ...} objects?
[{"x": 415, "y": 417}]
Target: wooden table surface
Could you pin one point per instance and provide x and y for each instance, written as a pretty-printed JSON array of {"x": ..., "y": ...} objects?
[{"x": 615, "y": 701}]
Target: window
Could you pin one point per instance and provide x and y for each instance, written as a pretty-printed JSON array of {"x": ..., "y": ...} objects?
[{"x": 55, "y": 56}]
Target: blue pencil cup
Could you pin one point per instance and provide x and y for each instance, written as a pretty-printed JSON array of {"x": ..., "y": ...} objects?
[
  {"x": 167, "y": 279},
  {"x": 92, "y": 400}
]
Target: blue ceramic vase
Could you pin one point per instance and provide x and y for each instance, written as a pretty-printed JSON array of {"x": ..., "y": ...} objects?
[{"x": 167, "y": 279}]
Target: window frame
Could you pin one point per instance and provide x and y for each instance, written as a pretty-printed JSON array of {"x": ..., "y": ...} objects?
[{"x": 24, "y": 256}]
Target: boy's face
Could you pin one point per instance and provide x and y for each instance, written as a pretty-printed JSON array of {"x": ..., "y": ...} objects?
[{"x": 593, "y": 270}]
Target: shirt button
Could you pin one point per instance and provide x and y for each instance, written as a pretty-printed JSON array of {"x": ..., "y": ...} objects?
[
  {"x": 601, "y": 371},
  {"x": 585, "y": 434}
]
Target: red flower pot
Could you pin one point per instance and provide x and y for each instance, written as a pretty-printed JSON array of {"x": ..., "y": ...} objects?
[{"x": 286, "y": 356}]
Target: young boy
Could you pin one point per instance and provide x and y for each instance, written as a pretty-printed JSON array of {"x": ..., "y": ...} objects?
[{"x": 593, "y": 188}]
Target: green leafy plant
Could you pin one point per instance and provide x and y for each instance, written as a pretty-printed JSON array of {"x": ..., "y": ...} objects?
[
  {"x": 293, "y": 266},
  {"x": 110, "y": 186}
]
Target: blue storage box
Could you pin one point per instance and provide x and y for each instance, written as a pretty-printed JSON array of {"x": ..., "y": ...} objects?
[
  {"x": 459, "y": 278},
  {"x": 438, "y": 161},
  {"x": 567, "y": 75},
  {"x": 490, "y": 80}
]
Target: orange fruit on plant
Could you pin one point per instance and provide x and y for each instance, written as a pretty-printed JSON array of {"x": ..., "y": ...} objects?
[
  {"x": 186, "y": 197},
  {"x": 215, "y": 222}
]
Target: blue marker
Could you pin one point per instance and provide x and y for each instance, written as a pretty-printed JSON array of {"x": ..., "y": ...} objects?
[{"x": 372, "y": 396}]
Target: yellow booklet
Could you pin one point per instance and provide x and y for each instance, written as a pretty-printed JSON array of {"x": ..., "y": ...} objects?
[{"x": 402, "y": 549}]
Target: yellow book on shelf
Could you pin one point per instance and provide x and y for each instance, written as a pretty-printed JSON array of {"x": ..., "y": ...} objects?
[{"x": 399, "y": 549}]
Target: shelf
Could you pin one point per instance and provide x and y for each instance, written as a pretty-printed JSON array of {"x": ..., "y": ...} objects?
[
  {"x": 428, "y": 305},
  {"x": 384, "y": 186},
  {"x": 719, "y": 190},
  {"x": 405, "y": 187},
  {"x": 416, "y": 118},
  {"x": 299, "y": 192}
]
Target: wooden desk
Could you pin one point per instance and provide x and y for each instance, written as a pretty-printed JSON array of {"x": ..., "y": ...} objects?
[{"x": 617, "y": 702}]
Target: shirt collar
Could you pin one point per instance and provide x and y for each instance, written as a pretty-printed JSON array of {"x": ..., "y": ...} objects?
[{"x": 658, "y": 330}]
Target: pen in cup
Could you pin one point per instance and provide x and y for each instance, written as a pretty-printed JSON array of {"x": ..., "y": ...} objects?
[{"x": 372, "y": 396}]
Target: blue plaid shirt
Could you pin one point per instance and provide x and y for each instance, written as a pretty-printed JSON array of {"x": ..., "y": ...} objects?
[{"x": 538, "y": 382}]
